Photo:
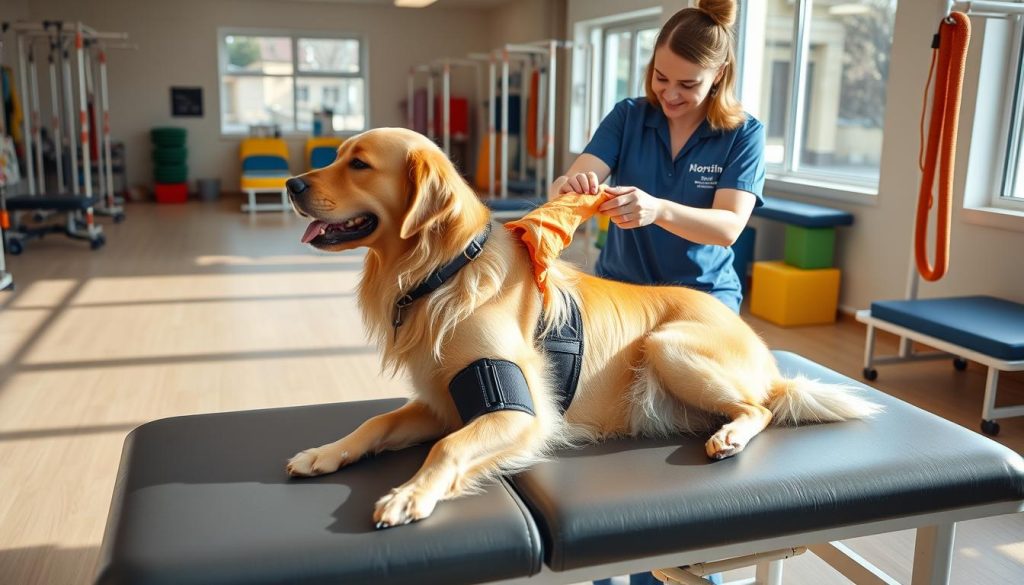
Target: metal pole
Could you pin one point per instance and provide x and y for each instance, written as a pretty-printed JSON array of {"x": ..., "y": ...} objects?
[
  {"x": 538, "y": 135},
  {"x": 26, "y": 123},
  {"x": 37, "y": 118},
  {"x": 549, "y": 174},
  {"x": 55, "y": 121},
  {"x": 525, "y": 75},
  {"x": 94, "y": 123},
  {"x": 504, "y": 123},
  {"x": 446, "y": 114},
  {"x": 430, "y": 104},
  {"x": 105, "y": 103},
  {"x": 83, "y": 113},
  {"x": 491, "y": 130},
  {"x": 69, "y": 110}
]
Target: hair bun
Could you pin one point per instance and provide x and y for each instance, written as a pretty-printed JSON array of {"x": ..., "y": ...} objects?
[{"x": 723, "y": 12}]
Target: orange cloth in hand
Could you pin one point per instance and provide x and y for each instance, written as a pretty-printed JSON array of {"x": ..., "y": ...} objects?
[{"x": 547, "y": 230}]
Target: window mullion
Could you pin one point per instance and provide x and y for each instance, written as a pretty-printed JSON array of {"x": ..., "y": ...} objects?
[
  {"x": 634, "y": 52},
  {"x": 295, "y": 84},
  {"x": 798, "y": 86}
]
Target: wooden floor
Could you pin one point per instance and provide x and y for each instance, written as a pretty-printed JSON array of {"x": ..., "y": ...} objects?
[{"x": 199, "y": 308}]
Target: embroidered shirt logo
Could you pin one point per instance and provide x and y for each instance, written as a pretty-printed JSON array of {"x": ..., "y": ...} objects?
[{"x": 708, "y": 175}]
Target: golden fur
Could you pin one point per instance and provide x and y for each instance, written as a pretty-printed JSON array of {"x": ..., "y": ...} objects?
[{"x": 659, "y": 360}]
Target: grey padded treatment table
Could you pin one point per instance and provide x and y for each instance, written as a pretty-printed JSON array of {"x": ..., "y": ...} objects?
[{"x": 205, "y": 499}]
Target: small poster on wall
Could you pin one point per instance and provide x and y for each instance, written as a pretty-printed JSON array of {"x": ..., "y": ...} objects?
[{"x": 187, "y": 101}]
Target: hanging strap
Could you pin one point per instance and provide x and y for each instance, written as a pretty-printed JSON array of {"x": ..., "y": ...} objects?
[{"x": 950, "y": 56}]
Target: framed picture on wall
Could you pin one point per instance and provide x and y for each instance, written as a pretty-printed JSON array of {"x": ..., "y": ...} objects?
[{"x": 187, "y": 102}]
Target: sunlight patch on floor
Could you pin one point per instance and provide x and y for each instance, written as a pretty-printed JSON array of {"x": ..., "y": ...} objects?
[{"x": 112, "y": 290}]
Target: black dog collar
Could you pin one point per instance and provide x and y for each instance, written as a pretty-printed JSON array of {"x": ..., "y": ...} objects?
[{"x": 442, "y": 274}]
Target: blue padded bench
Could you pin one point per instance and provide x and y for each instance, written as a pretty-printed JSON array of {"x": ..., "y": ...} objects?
[
  {"x": 205, "y": 499},
  {"x": 988, "y": 325},
  {"x": 985, "y": 329},
  {"x": 802, "y": 214}
]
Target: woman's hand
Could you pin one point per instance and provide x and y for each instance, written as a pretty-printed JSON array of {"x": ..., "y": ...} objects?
[
  {"x": 631, "y": 207},
  {"x": 584, "y": 183}
]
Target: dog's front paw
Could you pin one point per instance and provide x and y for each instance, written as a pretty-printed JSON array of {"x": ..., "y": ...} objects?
[
  {"x": 403, "y": 505},
  {"x": 723, "y": 444},
  {"x": 316, "y": 461}
]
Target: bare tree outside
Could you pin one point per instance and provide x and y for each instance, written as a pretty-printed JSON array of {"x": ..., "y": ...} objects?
[{"x": 867, "y": 47}]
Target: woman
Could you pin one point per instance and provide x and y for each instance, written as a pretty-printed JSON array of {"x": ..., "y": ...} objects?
[
  {"x": 688, "y": 162},
  {"x": 686, "y": 158}
]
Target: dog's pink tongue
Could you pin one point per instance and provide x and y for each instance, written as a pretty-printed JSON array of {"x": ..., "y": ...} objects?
[{"x": 313, "y": 230}]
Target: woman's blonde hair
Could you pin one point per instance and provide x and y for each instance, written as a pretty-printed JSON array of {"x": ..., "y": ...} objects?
[{"x": 703, "y": 36}]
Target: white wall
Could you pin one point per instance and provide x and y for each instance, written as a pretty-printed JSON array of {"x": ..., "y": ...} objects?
[
  {"x": 524, "y": 21},
  {"x": 178, "y": 47},
  {"x": 12, "y": 11},
  {"x": 874, "y": 254}
]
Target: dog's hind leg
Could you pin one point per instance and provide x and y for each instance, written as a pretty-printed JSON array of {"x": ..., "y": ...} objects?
[
  {"x": 689, "y": 362},
  {"x": 410, "y": 424}
]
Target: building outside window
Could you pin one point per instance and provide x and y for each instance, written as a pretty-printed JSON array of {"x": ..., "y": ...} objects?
[{"x": 815, "y": 72}]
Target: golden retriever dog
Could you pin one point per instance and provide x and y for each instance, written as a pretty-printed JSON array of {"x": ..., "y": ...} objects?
[{"x": 659, "y": 360}]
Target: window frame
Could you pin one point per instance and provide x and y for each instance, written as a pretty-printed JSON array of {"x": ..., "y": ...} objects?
[
  {"x": 1011, "y": 177},
  {"x": 789, "y": 177},
  {"x": 588, "y": 67},
  {"x": 991, "y": 128},
  {"x": 293, "y": 35}
]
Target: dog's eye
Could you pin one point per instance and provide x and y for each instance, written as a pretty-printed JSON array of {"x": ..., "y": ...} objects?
[{"x": 357, "y": 164}]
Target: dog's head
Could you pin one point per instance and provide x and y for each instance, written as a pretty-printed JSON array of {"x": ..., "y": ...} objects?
[{"x": 387, "y": 185}]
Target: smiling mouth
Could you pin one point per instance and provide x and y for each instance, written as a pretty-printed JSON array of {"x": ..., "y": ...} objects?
[{"x": 321, "y": 234}]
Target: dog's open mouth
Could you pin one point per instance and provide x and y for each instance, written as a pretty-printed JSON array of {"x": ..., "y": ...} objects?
[{"x": 320, "y": 233}]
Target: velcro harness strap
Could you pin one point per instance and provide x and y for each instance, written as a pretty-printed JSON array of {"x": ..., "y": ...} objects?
[
  {"x": 489, "y": 385},
  {"x": 564, "y": 347}
]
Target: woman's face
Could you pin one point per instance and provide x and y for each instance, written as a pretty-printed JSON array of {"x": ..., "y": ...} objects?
[{"x": 682, "y": 87}]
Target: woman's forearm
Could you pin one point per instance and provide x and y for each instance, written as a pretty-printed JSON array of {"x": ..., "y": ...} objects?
[{"x": 719, "y": 227}]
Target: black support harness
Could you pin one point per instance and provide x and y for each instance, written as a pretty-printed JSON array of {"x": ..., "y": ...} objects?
[{"x": 489, "y": 385}]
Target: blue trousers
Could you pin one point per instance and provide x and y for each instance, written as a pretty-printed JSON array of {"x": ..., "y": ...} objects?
[{"x": 648, "y": 579}]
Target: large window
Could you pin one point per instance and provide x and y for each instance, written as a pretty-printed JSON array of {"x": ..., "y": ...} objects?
[
  {"x": 815, "y": 72},
  {"x": 1012, "y": 192},
  {"x": 284, "y": 79},
  {"x": 608, "y": 66}
]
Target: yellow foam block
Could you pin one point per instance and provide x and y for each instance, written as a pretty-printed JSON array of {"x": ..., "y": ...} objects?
[{"x": 787, "y": 295}]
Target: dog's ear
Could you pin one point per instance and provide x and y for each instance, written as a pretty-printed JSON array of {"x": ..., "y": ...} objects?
[{"x": 432, "y": 193}]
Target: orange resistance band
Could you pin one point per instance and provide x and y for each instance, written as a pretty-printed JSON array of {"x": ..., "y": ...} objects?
[{"x": 954, "y": 37}]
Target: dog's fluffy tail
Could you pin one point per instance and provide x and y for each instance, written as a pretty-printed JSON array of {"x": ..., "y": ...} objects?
[{"x": 798, "y": 400}]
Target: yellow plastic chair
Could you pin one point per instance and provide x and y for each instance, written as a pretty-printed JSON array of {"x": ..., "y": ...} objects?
[{"x": 264, "y": 171}]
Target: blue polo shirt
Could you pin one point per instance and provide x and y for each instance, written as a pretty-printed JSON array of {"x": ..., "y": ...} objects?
[{"x": 634, "y": 141}]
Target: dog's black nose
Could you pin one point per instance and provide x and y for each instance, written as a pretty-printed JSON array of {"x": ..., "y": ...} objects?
[{"x": 296, "y": 186}]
